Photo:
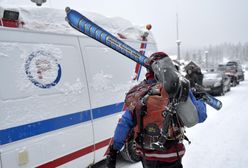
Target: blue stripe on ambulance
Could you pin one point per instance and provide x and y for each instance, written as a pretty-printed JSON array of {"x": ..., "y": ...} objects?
[{"x": 32, "y": 129}]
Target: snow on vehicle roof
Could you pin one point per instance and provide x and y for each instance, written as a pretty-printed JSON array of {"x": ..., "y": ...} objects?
[{"x": 53, "y": 20}]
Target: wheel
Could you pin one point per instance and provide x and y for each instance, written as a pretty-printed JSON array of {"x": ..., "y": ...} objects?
[
  {"x": 237, "y": 81},
  {"x": 222, "y": 92},
  {"x": 243, "y": 78},
  {"x": 229, "y": 88},
  {"x": 234, "y": 83},
  {"x": 129, "y": 153}
]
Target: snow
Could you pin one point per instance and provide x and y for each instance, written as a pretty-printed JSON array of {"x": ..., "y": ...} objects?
[
  {"x": 22, "y": 90},
  {"x": 53, "y": 20},
  {"x": 221, "y": 141},
  {"x": 76, "y": 87},
  {"x": 218, "y": 142},
  {"x": 103, "y": 81}
]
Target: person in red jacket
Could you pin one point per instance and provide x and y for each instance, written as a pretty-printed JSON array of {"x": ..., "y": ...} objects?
[{"x": 157, "y": 111}]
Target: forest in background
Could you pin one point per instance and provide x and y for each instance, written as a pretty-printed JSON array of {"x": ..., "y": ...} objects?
[{"x": 211, "y": 56}]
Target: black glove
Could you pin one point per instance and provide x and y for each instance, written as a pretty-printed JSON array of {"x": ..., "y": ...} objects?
[
  {"x": 111, "y": 157},
  {"x": 199, "y": 92}
]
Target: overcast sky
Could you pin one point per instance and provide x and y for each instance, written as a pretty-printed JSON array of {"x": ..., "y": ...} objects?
[{"x": 201, "y": 22}]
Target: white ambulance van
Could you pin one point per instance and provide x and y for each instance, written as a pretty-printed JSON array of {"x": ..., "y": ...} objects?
[{"x": 61, "y": 93}]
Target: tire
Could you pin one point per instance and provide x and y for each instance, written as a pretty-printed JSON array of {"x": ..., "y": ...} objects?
[
  {"x": 243, "y": 78},
  {"x": 234, "y": 83},
  {"x": 222, "y": 93},
  {"x": 129, "y": 153},
  {"x": 229, "y": 88},
  {"x": 237, "y": 81}
]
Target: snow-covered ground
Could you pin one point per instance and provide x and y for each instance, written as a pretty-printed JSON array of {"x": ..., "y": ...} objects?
[{"x": 221, "y": 141}]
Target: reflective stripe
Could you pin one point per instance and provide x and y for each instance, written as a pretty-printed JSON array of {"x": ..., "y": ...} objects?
[
  {"x": 168, "y": 155},
  {"x": 21, "y": 132}
]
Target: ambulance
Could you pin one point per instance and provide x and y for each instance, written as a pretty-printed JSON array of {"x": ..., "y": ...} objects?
[{"x": 61, "y": 93}]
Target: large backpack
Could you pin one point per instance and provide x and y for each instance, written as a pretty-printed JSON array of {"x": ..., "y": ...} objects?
[{"x": 149, "y": 104}]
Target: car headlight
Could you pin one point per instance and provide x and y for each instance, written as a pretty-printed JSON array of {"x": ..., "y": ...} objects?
[{"x": 218, "y": 83}]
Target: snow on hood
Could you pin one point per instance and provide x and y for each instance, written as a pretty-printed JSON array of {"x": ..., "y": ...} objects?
[{"x": 53, "y": 20}]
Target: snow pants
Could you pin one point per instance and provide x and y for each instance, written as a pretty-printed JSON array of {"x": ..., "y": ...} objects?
[{"x": 159, "y": 164}]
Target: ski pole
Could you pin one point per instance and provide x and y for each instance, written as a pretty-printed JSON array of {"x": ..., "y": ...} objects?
[
  {"x": 142, "y": 51},
  {"x": 210, "y": 100},
  {"x": 87, "y": 27}
]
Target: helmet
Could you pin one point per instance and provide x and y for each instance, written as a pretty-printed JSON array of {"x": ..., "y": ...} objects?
[{"x": 156, "y": 56}]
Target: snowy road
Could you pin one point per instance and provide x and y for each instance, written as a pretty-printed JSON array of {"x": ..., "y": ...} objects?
[{"x": 222, "y": 140}]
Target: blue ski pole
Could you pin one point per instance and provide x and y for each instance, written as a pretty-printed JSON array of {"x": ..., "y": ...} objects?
[
  {"x": 87, "y": 27},
  {"x": 213, "y": 102},
  {"x": 210, "y": 100}
]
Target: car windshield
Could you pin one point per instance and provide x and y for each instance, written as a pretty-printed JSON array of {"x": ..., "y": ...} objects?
[
  {"x": 221, "y": 68},
  {"x": 212, "y": 76},
  {"x": 232, "y": 63},
  {"x": 230, "y": 67}
]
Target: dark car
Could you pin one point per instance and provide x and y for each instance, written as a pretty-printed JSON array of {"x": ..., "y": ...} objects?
[
  {"x": 221, "y": 68},
  {"x": 235, "y": 72},
  {"x": 216, "y": 83}
]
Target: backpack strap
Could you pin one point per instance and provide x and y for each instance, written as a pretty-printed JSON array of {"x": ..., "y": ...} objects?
[{"x": 133, "y": 97}]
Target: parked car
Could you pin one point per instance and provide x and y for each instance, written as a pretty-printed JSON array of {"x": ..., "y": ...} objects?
[
  {"x": 216, "y": 83},
  {"x": 235, "y": 72},
  {"x": 221, "y": 68}
]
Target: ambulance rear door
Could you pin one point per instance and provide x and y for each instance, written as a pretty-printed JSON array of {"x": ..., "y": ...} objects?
[{"x": 45, "y": 110}]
